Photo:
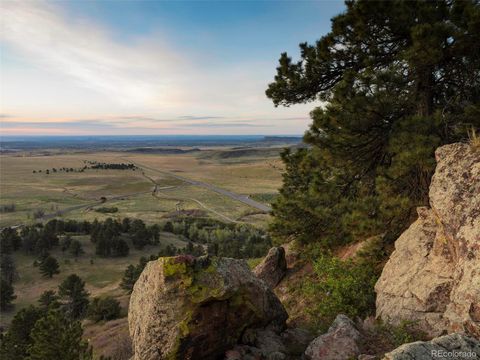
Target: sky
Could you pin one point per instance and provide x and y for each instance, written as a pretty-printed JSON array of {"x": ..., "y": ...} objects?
[{"x": 151, "y": 67}]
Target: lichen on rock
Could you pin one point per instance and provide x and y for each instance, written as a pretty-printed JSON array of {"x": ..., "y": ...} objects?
[{"x": 197, "y": 308}]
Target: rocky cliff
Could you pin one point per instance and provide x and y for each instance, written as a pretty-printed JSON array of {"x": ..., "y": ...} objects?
[{"x": 433, "y": 276}]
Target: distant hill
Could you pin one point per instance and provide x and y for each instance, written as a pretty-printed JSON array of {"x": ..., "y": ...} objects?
[{"x": 166, "y": 151}]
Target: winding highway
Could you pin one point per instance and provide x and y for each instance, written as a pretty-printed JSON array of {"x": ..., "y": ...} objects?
[{"x": 238, "y": 197}]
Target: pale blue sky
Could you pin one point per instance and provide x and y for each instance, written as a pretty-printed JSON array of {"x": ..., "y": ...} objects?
[{"x": 151, "y": 67}]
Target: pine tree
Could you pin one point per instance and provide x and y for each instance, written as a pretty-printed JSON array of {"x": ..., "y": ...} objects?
[
  {"x": 7, "y": 294},
  {"x": 74, "y": 296},
  {"x": 120, "y": 248},
  {"x": 130, "y": 276},
  {"x": 8, "y": 270},
  {"x": 75, "y": 248},
  {"x": 49, "y": 300},
  {"x": 49, "y": 266},
  {"x": 104, "y": 309},
  {"x": 398, "y": 79},
  {"x": 57, "y": 337},
  {"x": 17, "y": 339},
  {"x": 9, "y": 240}
]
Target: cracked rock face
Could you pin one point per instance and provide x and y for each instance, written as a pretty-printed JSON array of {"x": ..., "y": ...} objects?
[
  {"x": 197, "y": 308},
  {"x": 454, "y": 346},
  {"x": 433, "y": 276}
]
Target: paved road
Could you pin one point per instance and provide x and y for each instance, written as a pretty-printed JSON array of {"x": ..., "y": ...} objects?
[{"x": 242, "y": 198}]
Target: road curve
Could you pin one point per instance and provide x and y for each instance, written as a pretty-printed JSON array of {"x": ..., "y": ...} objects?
[{"x": 242, "y": 198}]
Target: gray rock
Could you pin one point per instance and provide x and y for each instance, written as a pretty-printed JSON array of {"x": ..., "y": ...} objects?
[
  {"x": 341, "y": 342},
  {"x": 453, "y": 346},
  {"x": 273, "y": 267}
]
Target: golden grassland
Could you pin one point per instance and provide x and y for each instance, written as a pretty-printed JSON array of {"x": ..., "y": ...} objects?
[{"x": 129, "y": 190}]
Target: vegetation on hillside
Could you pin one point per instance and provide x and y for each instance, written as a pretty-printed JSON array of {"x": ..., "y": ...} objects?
[{"x": 398, "y": 79}]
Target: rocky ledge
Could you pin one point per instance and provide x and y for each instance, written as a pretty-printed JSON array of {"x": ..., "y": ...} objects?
[{"x": 433, "y": 276}]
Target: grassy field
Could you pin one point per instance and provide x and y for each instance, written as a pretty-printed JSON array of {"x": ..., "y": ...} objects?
[
  {"x": 75, "y": 194},
  {"x": 101, "y": 275}
]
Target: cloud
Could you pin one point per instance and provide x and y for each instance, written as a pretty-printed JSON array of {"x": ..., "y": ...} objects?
[
  {"x": 223, "y": 125},
  {"x": 134, "y": 73},
  {"x": 189, "y": 117},
  {"x": 80, "y": 71},
  {"x": 79, "y": 124}
]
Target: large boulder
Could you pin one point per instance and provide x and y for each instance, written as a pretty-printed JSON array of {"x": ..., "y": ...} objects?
[
  {"x": 453, "y": 346},
  {"x": 433, "y": 276},
  {"x": 273, "y": 267},
  {"x": 197, "y": 308},
  {"x": 341, "y": 342}
]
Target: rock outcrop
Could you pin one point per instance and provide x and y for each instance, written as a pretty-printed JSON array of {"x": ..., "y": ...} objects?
[
  {"x": 273, "y": 267},
  {"x": 197, "y": 308},
  {"x": 453, "y": 346},
  {"x": 433, "y": 276},
  {"x": 341, "y": 342}
]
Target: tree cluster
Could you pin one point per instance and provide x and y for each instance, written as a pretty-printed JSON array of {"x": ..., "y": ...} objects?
[{"x": 229, "y": 240}]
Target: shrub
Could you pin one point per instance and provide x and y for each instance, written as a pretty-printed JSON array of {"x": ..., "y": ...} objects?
[
  {"x": 106, "y": 308},
  {"x": 37, "y": 214},
  {"x": 345, "y": 287},
  {"x": 474, "y": 139}
]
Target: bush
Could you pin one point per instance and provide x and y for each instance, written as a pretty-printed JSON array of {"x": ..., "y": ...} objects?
[
  {"x": 345, "y": 287},
  {"x": 38, "y": 214},
  {"x": 106, "y": 308}
]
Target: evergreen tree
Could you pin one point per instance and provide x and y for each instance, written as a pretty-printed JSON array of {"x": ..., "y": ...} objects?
[
  {"x": 154, "y": 231},
  {"x": 399, "y": 78},
  {"x": 66, "y": 242},
  {"x": 17, "y": 339},
  {"x": 168, "y": 227},
  {"x": 126, "y": 225},
  {"x": 75, "y": 248},
  {"x": 9, "y": 240},
  {"x": 120, "y": 248},
  {"x": 104, "y": 309},
  {"x": 49, "y": 266},
  {"x": 7, "y": 294},
  {"x": 130, "y": 276},
  {"x": 49, "y": 300},
  {"x": 8, "y": 270},
  {"x": 57, "y": 337},
  {"x": 74, "y": 296}
]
